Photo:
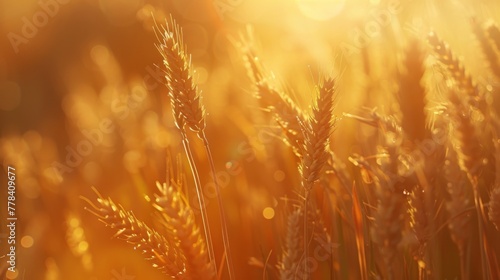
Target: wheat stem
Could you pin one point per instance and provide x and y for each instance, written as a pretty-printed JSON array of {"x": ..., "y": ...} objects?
[
  {"x": 201, "y": 200},
  {"x": 222, "y": 213}
]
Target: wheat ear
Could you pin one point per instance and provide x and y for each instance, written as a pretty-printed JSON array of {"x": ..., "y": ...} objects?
[
  {"x": 178, "y": 219},
  {"x": 488, "y": 50},
  {"x": 285, "y": 112},
  {"x": 446, "y": 56},
  {"x": 161, "y": 252},
  {"x": 188, "y": 111},
  {"x": 412, "y": 94},
  {"x": 292, "y": 252},
  {"x": 186, "y": 108},
  {"x": 316, "y": 131},
  {"x": 470, "y": 158},
  {"x": 493, "y": 33}
]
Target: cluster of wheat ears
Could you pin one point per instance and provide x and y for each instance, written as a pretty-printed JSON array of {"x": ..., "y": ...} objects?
[{"x": 435, "y": 176}]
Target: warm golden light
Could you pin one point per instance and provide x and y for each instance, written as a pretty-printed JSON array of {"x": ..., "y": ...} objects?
[
  {"x": 321, "y": 10},
  {"x": 250, "y": 139}
]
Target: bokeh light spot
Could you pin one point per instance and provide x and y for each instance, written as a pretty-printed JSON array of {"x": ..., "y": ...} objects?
[
  {"x": 100, "y": 54},
  {"x": 279, "y": 176},
  {"x": 12, "y": 275},
  {"x": 268, "y": 213},
  {"x": 27, "y": 241}
]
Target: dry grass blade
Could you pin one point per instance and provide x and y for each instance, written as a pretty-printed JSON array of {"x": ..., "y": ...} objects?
[
  {"x": 178, "y": 219},
  {"x": 357, "y": 214},
  {"x": 161, "y": 252}
]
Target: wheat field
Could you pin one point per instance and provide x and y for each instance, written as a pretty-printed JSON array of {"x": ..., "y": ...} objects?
[{"x": 233, "y": 139}]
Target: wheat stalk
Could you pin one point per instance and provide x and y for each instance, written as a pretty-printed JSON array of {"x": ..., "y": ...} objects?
[
  {"x": 471, "y": 161},
  {"x": 316, "y": 131},
  {"x": 188, "y": 110},
  {"x": 460, "y": 220}
]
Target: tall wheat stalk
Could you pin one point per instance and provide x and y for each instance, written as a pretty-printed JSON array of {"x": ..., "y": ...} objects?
[
  {"x": 186, "y": 108},
  {"x": 188, "y": 111},
  {"x": 316, "y": 131},
  {"x": 471, "y": 162}
]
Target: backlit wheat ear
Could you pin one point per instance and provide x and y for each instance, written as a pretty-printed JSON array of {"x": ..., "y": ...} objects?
[
  {"x": 494, "y": 207},
  {"x": 493, "y": 33},
  {"x": 471, "y": 161},
  {"x": 162, "y": 253},
  {"x": 183, "y": 92},
  {"x": 179, "y": 220},
  {"x": 453, "y": 65},
  {"x": 412, "y": 94},
  {"x": 188, "y": 110},
  {"x": 388, "y": 225},
  {"x": 316, "y": 131},
  {"x": 466, "y": 143},
  {"x": 292, "y": 252},
  {"x": 491, "y": 54},
  {"x": 286, "y": 113}
]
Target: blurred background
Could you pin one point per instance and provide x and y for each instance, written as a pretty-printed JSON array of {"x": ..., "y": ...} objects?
[{"x": 83, "y": 103}]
